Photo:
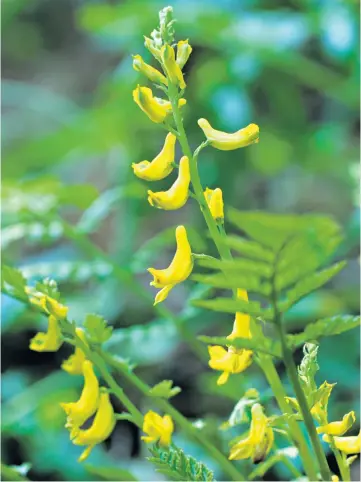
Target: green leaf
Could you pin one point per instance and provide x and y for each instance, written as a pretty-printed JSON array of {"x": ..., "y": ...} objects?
[
  {"x": 308, "y": 284},
  {"x": 260, "y": 344},
  {"x": 249, "y": 248},
  {"x": 232, "y": 281},
  {"x": 164, "y": 389},
  {"x": 13, "y": 281},
  {"x": 324, "y": 327},
  {"x": 97, "y": 328},
  {"x": 244, "y": 266},
  {"x": 175, "y": 465},
  {"x": 110, "y": 473},
  {"x": 31, "y": 232},
  {"x": 227, "y": 305}
]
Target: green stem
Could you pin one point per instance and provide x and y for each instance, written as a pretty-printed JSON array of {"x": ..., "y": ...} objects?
[
  {"x": 128, "y": 280},
  {"x": 266, "y": 364},
  {"x": 301, "y": 398},
  {"x": 181, "y": 421},
  {"x": 341, "y": 461}
]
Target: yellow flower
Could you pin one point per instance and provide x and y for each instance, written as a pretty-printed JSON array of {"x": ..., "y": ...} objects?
[
  {"x": 161, "y": 166},
  {"x": 49, "y": 341},
  {"x": 214, "y": 200},
  {"x": 153, "y": 74},
  {"x": 103, "y": 425},
  {"x": 259, "y": 442},
  {"x": 177, "y": 195},
  {"x": 227, "y": 142},
  {"x": 183, "y": 52},
  {"x": 338, "y": 428},
  {"x": 74, "y": 364},
  {"x": 149, "y": 44},
  {"x": 178, "y": 270},
  {"x": 158, "y": 428},
  {"x": 233, "y": 360},
  {"x": 319, "y": 410},
  {"x": 78, "y": 412},
  {"x": 347, "y": 445},
  {"x": 293, "y": 402},
  {"x": 334, "y": 478},
  {"x": 173, "y": 70},
  {"x": 155, "y": 108},
  {"x": 48, "y": 304}
]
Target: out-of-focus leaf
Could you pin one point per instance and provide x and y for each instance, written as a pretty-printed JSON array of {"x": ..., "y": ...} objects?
[
  {"x": 226, "y": 305},
  {"x": 261, "y": 344},
  {"x": 110, "y": 473},
  {"x": 31, "y": 232},
  {"x": 12, "y": 281},
  {"x": 97, "y": 329},
  {"x": 164, "y": 389}
]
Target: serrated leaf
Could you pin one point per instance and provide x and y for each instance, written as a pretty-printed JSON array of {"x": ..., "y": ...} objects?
[
  {"x": 263, "y": 345},
  {"x": 243, "y": 266},
  {"x": 164, "y": 389},
  {"x": 110, "y": 473},
  {"x": 13, "y": 281},
  {"x": 226, "y": 305},
  {"x": 308, "y": 284},
  {"x": 250, "y": 249},
  {"x": 324, "y": 327},
  {"x": 232, "y": 281},
  {"x": 97, "y": 329}
]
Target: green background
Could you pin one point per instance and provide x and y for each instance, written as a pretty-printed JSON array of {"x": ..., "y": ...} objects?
[{"x": 69, "y": 119}]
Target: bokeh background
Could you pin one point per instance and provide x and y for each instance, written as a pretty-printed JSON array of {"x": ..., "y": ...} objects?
[{"x": 291, "y": 66}]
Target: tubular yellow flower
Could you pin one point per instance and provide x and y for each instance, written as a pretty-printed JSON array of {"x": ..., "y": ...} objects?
[
  {"x": 228, "y": 142},
  {"x": 78, "y": 412},
  {"x": 49, "y": 341},
  {"x": 161, "y": 166},
  {"x": 178, "y": 270},
  {"x": 177, "y": 195},
  {"x": 103, "y": 425},
  {"x": 150, "y": 72},
  {"x": 173, "y": 70},
  {"x": 233, "y": 360},
  {"x": 74, "y": 364},
  {"x": 183, "y": 52},
  {"x": 319, "y": 410},
  {"x": 158, "y": 428},
  {"x": 338, "y": 428},
  {"x": 149, "y": 44},
  {"x": 214, "y": 198},
  {"x": 347, "y": 445},
  {"x": 155, "y": 108},
  {"x": 48, "y": 304},
  {"x": 259, "y": 442}
]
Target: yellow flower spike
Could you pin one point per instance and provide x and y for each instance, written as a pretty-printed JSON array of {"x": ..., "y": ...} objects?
[
  {"x": 150, "y": 72},
  {"x": 102, "y": 426},
  {"x": 228, "y": 142},
  {"x": 155, "y": 108},
  {"x": 338, "y": 428},
  {"x": 233, "y": 360},
  {"x": 49, "y": 341},
  {"x": 78, "y": 412},
  {"x": 161, "y": 166},
  {"x": 157, "y": 428},
  {"x": 173, "y": 70},
  {"x": 183, "y": 52},
  {"x": 177, "y": 195},
  {"x": 214, "y": 198},
  {"x": 259, "y": 441},
  {"x": 178, "y": 270},
  {"x": 347, "y": 445},
  {"x": 74, "y": 364}
]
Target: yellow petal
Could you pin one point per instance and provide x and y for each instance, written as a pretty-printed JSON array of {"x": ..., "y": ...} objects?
[
  {"x": 74, "y": 364},
  {"x": 150, "y": 72},
  {"x": 49, "y": 341},
  {"x": 241, "y": 450},
  {"x": 162, "y": 294},
  {"x": 183, "y": 52},
  {"x": 223, "y": 378},
  {"x": 155, "y": 110},
  {"x": 173, "y": 70},
  {"x": 157, "y": 428},
  {"x": 338, "y": 428},
  {"x": 347, "y": 445},
  {"x": 85, "y": 453},
  {"x": 152, "y": 48},
  {"x": 227, "y": 142},
  {"x": 177, "y": 195},
  {"x": 214, "y": 200},
  {"x": 161, "y": 166}
]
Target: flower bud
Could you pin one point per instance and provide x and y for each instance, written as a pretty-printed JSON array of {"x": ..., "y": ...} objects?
[
  {"x": 183, "y": 52},
  {"x": 150, "y": 72}
]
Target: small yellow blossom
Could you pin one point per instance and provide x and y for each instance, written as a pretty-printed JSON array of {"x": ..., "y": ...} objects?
[
  {"x": 177, "y": 195},
  {"x": 149, "y": 44},
  {"x": 49, "y": 341},
  {"x": 103, "y": 425},
  {"x": 74, "y": 364},
  {"x": 233, "y": 360},
  {"x": 293, "y": 402},
  {"x": 334, "y": 478},
  {"x": 347, "y": 445},
  {"x": 214, "y": 198},
  {"x": 178, "y": 270},
  {"x": 160, "y": 166},
  {"x": 259, "y": 442},
  {"x": 183, "y": 52},
  {"x": 173, "y": 70},
  {"x": 150, "y": 72},
  {"x": 78, "y": 412},
  {"x": 155, "y": 108},
  {"x": 338, "y": 428},
  {"x": 319, "y": 410},
  {"x": 157, "y": 428},
  {"x": 48, "y": 304},
  {"x": 227, "y": 142}
]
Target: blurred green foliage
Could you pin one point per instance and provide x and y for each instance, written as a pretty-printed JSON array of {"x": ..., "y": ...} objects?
[{"x": 70, "y": 134}]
